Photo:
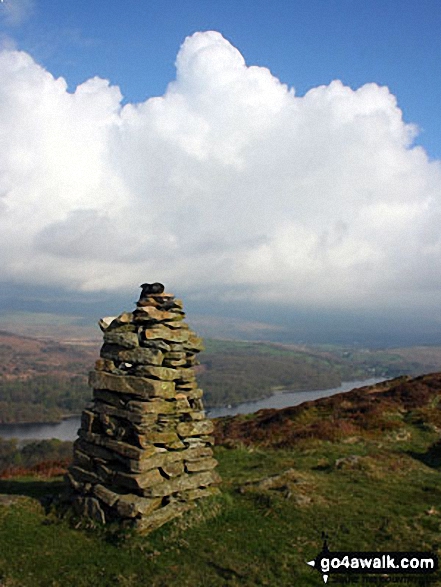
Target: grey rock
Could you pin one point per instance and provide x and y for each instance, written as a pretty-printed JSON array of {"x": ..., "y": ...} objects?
[
  {"x": 128, "y": 340},
  {"x": 160, "y": 517},
  {"x": 144, "y": 449},
  {"x": 138, "y": 386},
  {"x": 105, "y": 495},
  {"x": 143, "y": 356},
  {"x": 131, "y": 505},
  {"x": 200, "y": 465},
  {"x": 183, "y": 483}
]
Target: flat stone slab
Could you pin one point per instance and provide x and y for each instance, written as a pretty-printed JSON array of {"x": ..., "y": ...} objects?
[
  {"x": 195, "y": 428},
  {"x": 127, "y": 340},
  {"x": 164, "y": 373},
  {"x": 122, "y": 448},
  {"x": 183, "y": 483},
  {"x": 139, "y": 355},
  {"x": 160, "y": 517},
  {"x": 106, "y": 495},
  {"x": 201, "y": 465},
  {"x": 166, "y": 334},
  {"x": 138, "y": 481},
  {"x": 150, "y": 313},
  {"x": 130, "y": 505},
  {"x": 138, "y": 386},
  {"x": 130, "y": 416}
]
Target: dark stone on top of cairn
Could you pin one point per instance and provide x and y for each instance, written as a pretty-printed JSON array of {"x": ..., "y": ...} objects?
[{"x": 149, "y": 289}]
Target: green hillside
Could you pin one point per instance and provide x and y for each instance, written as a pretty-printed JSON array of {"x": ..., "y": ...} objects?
[{"x": 363, "y": 467}]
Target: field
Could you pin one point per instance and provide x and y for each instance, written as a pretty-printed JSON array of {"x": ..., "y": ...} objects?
[{"x": 371, "y": 481}]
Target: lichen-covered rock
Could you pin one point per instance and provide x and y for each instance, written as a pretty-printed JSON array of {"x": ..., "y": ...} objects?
[
  {"x": 138, "y": 386},
  {"x": 131, "y": 505},
  {"x": 137, "y": 356},
  {"x": 128, "y": 340},
  {"x": 161, "y": 516},
  {"x": 182, "y": 483},
  {"x": 200, "y": 465},
  {"x": 195, "y": 428},
  {"x": 165, "y": 333}
]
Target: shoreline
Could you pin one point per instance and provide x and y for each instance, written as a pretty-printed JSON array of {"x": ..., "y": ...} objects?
[
  {"x": 277, "y": 389},
  {"x": 273, "y": 390},
  {"x": 288, "y": 397},
  {"x": 277, "y": 398},
  {"x": 42, "y": 422}
]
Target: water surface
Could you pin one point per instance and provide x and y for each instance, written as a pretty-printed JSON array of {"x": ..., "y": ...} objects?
[
  {"x": 286, "y": 398},
  {"x": 68, "y": 428}
]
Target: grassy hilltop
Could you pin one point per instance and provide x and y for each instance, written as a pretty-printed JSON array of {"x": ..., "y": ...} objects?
[{"x": 364, "y": 467}]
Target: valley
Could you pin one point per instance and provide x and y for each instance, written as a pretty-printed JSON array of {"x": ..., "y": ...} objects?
[{"x": 44, "y": 379}]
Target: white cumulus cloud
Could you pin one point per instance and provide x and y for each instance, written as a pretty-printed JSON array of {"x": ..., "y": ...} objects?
[{"x": 228, "y": 181}]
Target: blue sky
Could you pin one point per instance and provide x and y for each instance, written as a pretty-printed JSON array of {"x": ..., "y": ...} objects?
[
  {"x": 205, "y": 170},
  {"x": 305, "y": 43}
]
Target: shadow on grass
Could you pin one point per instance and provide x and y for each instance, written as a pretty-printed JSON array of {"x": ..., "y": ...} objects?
[
  {"x": 38, "y": 488},
  {"x": 432, "y": 456}
]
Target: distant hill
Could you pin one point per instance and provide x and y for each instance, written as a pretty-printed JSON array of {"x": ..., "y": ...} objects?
[
  {"x": 233, "y": 372},
  {"x": 42, "y": 379},
  {"x": 22, "y": 357}
]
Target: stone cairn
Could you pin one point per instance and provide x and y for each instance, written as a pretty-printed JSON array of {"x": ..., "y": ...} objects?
[{"x": 144, "y": 449}]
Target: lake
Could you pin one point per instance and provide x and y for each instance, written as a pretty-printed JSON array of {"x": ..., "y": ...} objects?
[
  {"x": 68, "y": 428},
  {"x": 286, "y": 398}
]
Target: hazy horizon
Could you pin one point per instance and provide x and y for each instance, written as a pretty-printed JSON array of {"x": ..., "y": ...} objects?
[{"x": 213, "y": 319}]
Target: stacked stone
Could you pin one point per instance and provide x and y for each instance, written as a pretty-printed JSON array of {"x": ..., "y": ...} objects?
[{"x": 144, "y": 451}]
